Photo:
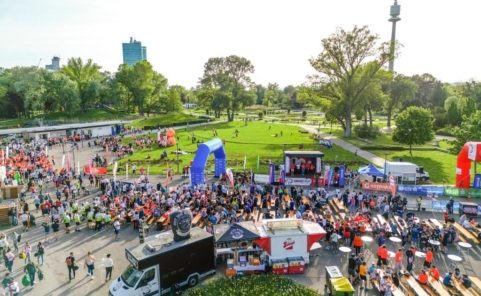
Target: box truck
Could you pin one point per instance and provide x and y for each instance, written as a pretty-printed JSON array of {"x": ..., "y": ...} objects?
[
  {"x": 161, "y": 263},
  {"x": 407, "y": 171}
]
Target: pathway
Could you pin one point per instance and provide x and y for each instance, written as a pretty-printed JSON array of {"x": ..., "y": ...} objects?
[{"x": 376, "y": 160}]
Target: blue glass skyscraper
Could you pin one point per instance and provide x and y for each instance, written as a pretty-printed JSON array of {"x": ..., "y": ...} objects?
[{"x": 133, "y": 52}]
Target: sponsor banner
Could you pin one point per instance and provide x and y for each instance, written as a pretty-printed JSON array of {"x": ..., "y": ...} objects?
[
  {"x": 298, "y": 182},
  {"x": 374, "y": 186},
  {"x": 440, "y": 205},
  {"x": 477, "y": 181},
  {"x": 342, "y": 177},
  {"x": 420, "y": 190},
  {"x": 472, "y": 147},
  {"x": 461, "y": 192},
  {"x": 261, "y": 179}
]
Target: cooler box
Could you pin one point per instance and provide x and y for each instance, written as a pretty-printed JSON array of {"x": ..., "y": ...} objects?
[
  {"x": 296, "y": 265},
  {"x": 280, "y": 266}
]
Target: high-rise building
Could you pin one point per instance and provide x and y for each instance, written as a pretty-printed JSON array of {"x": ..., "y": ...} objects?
[
  {"x": 55, "y": 65},
  {"x": 133, "y": 52}
]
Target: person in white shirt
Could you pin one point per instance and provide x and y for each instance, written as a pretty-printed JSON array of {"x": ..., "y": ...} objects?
[
  {"x": 116, "y": 228},
  {"x": 109, "y": 265}
]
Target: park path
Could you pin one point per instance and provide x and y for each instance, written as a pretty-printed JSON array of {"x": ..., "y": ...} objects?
[{"x": 376, "y": 160}]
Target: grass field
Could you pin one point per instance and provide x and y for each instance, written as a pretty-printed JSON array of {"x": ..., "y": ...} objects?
[
  {"x": 255, "y": 139},
  {"x": 164, "y": 119}
]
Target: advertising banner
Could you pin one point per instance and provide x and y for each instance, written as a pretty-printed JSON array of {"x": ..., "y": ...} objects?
[
  {"x": 477, "y": 181},
  {"x": 374, "y": 186},
  {"x": 461, "y": 192},
  {"x": 298, "y": 182},
  {"x": 342, "y": 178},
  {"x": 420, "y": 190}
]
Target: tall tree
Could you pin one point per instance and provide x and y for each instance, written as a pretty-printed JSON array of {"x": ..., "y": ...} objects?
[
  {"x": 468, "y": 131},
  {"x": 88, "y": 78},
  {"x": 62, "y": 94},
  {"x": 348, "y": 62},
  {"x": 414, "y": 126},
  {"x": 229, "y": 77},
  {"x": 400, "y": 89},
  {"x": 429, "y": 92}
]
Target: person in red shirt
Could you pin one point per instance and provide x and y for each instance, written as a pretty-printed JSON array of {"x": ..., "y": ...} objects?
[
  {"x": 423, "y": 278},
  {"x": 357, "y": 243},
  {"x": 398, "y": 257},
  {"x": 429, "y": 258},
  {"x": 379, "y": 259},
  {"x": 384, "y": 255},
  {"x": 434, "y": 272}
]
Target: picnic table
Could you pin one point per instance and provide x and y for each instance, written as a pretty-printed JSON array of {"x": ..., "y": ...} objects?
[
  {"x": 462, "y": 289},
  {"x": 465, "y": 233},
  {"x": 416, "y": 287},
  {"x": 438, "y": 287},
  {"x": 476, "y": 283},
  {"x": 381, "y": 220}
]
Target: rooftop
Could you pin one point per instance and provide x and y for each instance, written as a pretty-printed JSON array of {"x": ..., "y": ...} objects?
[
  {"x": 304, "y": 152},
  {"x": 52, "y": 128}
]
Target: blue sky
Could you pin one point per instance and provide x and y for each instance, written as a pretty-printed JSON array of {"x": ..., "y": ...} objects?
[{"x": 438, "y": 37}]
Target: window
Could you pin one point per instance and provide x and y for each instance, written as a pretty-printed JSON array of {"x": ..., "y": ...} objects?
[{"x": 149, "y": 275}]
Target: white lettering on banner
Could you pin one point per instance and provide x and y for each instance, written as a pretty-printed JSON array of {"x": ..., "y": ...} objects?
[
  {"x": 264, "y": 179},
  {"x": 298, "y": 182}
]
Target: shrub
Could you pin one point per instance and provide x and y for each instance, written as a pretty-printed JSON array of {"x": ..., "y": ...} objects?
[
  {"x": 366, "y": 132},
  {"x": 304, "y": 113},
  {"x": 261, "y": 115}
]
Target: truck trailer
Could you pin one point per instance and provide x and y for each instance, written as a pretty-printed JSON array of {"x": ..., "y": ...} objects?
[{"x": 160, "y": 264}]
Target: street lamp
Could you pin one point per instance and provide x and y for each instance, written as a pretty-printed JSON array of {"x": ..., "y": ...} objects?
[{"x": 177, "y": 153}]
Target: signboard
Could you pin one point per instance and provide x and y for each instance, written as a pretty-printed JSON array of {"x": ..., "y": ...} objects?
[
  {"x": 288, "y": 246},
  {"x": 298, "y": 182},
  {"x": 374, "y": 186},
  {"x": 440, "y": 205},
  {"x": 477, "y": 181},
  {"x": 461, "y": 192},
  {"x": 342, "y": 177},
  {"x": 472, "y": 151},
  {"x": 131, "y": 259},
  {"x": 420, "y": 190},
  {"x": 261, "y": 179}
]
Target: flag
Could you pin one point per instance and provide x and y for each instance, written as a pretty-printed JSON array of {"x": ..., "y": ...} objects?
[
  {"x": 282, "y": 177},
  {"x": 78, "y": 168},
  {"x": 126, "y": 171},
  {"x": 230, "y": 176},
  {"x": 63, "y": 161},
  {"x": 46, "y": 150},
  {"x": 272, "y": 173},
  {"x": 257, "y": 162},
  {"x": 115, "y": 171},
  {"x": 245, "y": 161},
  {"x": 7, "y": 152},
  {"x": 392, "y": 184}
]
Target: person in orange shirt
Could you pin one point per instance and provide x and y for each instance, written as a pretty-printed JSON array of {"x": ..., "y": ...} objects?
[
  {"x": 423, "y": 278},
  {"x": 429, "y": 258},
  {"x": 363, "y": 274},
  {"x": 434, "y": 272},
  {"x": 357, "y": 243},
  {"x": 398, "y": 257},
  {"x": 384, "y": 255}
]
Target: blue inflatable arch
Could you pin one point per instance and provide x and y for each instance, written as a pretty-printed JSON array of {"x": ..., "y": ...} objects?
[{"x": 200, "y": 160}]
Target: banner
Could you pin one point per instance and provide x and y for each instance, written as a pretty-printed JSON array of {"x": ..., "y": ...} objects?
[
  {"x": 374, "y": 186},
  {"x": 7, "y": 152},
  {"x": 461, "y": 192},
  {"x": 272, "y": 173},
  {"x": 46, "y": 151},
  {"x": 115, "y": 171},
  {"x": 392, "y": 182},
  {"x": 422, "y": 190},
  {"x": 298, "y": 182},
  {"x": 95, "y": 170},
  {"x": 342, "y": 178},
  {"x": 477, "y": 181},
  {"x": 245, "y": 161},
  {"x": 230, "y": 177},
  {"x": 326, "y": 175},
  {"x": 282, "y": 175},
  {"x": 63, "y": 161}
]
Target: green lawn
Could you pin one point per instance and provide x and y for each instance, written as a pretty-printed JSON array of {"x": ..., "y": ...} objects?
[
  {"x": 164, "y": 119},
  {"x": 254, "y": 140},
  {"x": 441, "y": 166}
]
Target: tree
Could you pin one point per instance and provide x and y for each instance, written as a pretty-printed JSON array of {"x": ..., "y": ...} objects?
[
  {"x": 229, "y": 78},
  {"x": 349, "y": 61},
  {"x": 429, "y": 92},
  {"x": 88, "y": 79},
  {"x": 468, "y": 131},
  {"x": 400, "y": 89},
  {"x": 374, "y": 97},
  {"x": 62, "y": 94},
  {"x": 414, "y": 126}
]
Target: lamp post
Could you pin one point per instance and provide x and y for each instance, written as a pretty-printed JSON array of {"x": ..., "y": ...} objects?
[{"x": 177, "y": 153}]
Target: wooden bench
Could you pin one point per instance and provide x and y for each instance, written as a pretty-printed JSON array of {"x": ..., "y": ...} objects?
[
  {"x": 436, "y": 223},
  {"x": 438, "y": 287},
  {"x": 416, "y": 287},
  {"x": 464, "y": 232},
  {"x": 462, "y": 289},
  {"x": 395, "y": 290},
  {"x": 381, "y": 220},
  {"x": 196, "y": 219},
  {"x": 476, "y": 283}
]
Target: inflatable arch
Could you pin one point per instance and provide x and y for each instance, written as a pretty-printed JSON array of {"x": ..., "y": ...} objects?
[
  {"x": 200, "y": 160},
  {"x": 471, "y": 151}
]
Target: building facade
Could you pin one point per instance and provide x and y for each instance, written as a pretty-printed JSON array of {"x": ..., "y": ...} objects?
[
  {"x": 133, "y": 52},
  {"x": 55, "y": 65}
]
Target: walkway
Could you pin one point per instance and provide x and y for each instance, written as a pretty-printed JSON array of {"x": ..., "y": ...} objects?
[{"x": 370, "y": 157}]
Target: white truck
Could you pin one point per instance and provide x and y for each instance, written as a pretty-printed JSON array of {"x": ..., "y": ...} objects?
[{"x": 407, "y": 171}]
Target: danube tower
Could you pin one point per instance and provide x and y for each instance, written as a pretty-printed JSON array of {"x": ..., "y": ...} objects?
[{"x": 395, "y": 12}]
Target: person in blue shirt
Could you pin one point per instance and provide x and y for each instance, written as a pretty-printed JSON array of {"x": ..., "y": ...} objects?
[{"x": 448, "y": 279}]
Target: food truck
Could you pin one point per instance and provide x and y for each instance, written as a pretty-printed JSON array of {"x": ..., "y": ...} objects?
[
  {"x": 161, "y": 263},
  {"x": 289, "y": 241}
]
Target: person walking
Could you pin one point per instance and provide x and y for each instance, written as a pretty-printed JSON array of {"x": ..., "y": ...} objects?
[
  {"x": 66, "y": 221},
  {"x": 70, "y": 261},
  {"x": 27, "y": 249},
  {"x": 109, "y": 266},
  {"x": 90, "y": 264},
  {"x": 31, "y": 269},
  {"x": 9, "y": 257},
  {"x": 39, "y": 253},
  {"x": 116, "y": 228},
  {"x": 76, "y": 219}
]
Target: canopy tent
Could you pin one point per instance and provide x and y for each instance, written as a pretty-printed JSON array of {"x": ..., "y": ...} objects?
[
  {"x": 371, "y": 171},
  {"x": 242, "y": 231}
]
